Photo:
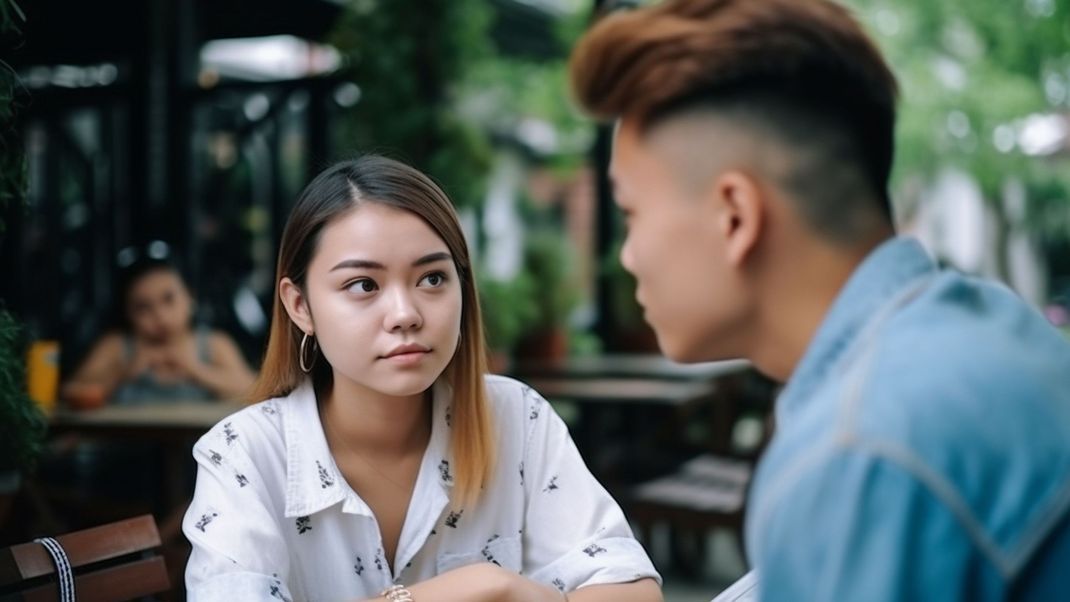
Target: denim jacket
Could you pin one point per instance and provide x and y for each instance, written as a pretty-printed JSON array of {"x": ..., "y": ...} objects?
[{"x": 923, "y": 447}]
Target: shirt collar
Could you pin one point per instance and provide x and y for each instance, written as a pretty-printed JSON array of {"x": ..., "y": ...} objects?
[
  {"x": 313, "y": 481},
  {"x": 885, "y": 273}
]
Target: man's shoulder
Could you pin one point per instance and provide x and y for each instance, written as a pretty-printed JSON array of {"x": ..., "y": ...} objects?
[
  {"x": 965, "y": 346},
  {"x": 943, "y": 388},
  {"x": 965, "y": 320},
  {"x": 967, "y": 391}
]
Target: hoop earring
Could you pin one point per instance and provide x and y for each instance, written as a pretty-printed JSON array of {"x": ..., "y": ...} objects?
[{"x": 303, "y": 352}]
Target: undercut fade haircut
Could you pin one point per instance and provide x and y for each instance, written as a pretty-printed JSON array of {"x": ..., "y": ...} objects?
[{"x": 801, "y": 72}]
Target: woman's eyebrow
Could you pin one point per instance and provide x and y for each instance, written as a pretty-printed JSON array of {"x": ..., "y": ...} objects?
[
  {"x": 359, "y": 264},
  {"x": 432, "y": 258},
  {"x": 368, "y": 264}
]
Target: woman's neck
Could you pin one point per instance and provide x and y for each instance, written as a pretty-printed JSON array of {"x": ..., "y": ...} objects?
[{"x": 376, "y": 424}]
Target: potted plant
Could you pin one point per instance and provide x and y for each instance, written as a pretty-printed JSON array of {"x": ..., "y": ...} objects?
[
  {"x": 548, "y": 261},
  {"x": 508, "y": 310},
  {"x": 22, "y": 425}
]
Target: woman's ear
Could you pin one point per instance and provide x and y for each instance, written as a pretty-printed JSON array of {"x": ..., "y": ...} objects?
[{"x": 296, "y": 304}]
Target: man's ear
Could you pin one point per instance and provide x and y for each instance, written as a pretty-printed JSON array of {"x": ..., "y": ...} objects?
[
  {"x": 739, "y": 205},
  {"x": 296, "y": 304}
]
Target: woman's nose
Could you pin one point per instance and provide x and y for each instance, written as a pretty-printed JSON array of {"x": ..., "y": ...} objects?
[{"x": 403, "y": 313}]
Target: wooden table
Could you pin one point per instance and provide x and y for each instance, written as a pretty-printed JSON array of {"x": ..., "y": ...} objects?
[
  {"x": 613, "y": 416},
  {"x": 174, "y": 424},
  {"x": 621, "y": 391},
  {"x": 628, "y": 366},
  {"x": 170, "y": 420},
  {"x": 624, "y": 404}
]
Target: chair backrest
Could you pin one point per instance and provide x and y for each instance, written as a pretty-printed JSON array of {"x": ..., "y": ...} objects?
[{"x": 116, "y": 561}]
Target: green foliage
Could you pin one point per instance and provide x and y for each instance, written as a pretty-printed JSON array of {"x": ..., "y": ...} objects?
[
  {"x": 10, "y": 16},
  {"x": 22, "y": 425},
  {"x": 12, "y": 163},
  {"x": 582, "y": 343},
  {"x": 1049, "y": 209},
  {"x": 548, "y": 261},
  {"x": 409, "y": 62},
  {"x": 969, "y": 69},
  {"x": 621, "y": 284},
  {"x": 508, "y": 310},
  {"x": 507, "y": 89}
]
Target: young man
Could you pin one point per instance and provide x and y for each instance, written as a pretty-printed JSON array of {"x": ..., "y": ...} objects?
[{"x": 923, "y": 445}]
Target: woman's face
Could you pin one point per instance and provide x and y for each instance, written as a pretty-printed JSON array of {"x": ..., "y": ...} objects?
[
  {"x": 383, "y": 298},
  {"x": 159, "y": 305}
]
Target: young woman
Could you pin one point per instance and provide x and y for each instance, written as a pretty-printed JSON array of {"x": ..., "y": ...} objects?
[
  {"x": 157, "y": 354},
  {"x": 381, "y": 463}
]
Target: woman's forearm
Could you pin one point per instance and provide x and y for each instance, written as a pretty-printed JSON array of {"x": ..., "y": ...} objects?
[
  {"x": 475, "y": 583},
  {"x": 481, "y": 583},
  {"x": 644, "y": 590}
]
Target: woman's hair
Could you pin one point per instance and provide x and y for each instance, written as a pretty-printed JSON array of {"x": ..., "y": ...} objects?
[
  {"x": 333, "y": 193},
  {"x": 134, "y": 264}
]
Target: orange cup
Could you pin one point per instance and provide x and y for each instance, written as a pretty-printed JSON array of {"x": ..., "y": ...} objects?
[{"x": 42, "y": 373}]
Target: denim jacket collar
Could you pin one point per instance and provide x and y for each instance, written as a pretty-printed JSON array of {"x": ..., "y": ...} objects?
[{"x": 882, "y": 275}]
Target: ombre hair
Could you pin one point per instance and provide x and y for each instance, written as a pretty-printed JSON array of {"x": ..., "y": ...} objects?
[{"x": 333, "y": 193}]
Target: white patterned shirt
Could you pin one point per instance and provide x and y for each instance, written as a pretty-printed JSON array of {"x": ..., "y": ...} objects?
[{"x": 273, "y": 519}]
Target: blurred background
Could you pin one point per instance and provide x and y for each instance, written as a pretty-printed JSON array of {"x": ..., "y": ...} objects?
[{"x": 189, "y": 127}]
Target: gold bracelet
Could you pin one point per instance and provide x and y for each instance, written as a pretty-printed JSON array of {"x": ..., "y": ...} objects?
[{"x": 397, "y": 593}]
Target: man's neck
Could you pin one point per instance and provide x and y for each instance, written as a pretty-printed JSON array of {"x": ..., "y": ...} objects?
[{"x": 800, "y": 292}]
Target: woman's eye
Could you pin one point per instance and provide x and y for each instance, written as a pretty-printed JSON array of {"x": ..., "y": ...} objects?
[
  {"x": 435, "y": 279},
  {"x": 364, "y": 285}
]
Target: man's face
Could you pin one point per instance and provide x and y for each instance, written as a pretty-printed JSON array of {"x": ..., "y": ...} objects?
[{"x": 689, "y": 288}]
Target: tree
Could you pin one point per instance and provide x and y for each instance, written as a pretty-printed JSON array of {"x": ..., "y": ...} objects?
[
  {"x": 22, "y": 425},
  {"x": 408, "y": 62},
  {"x": 972, "y": 72}
]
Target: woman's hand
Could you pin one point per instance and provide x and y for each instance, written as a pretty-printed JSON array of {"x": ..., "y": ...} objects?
[
  {"x": 513, "y": 587},
  {"x": 484, "y": 582},
  {"x": 182, "y": 362},
  {"x": 172, "y": 363}
]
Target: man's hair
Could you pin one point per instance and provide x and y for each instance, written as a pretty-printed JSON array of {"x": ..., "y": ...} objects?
[{"x": 801, "y": 71}]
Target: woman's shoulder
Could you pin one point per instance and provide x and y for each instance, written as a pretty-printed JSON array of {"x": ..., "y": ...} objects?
[
  {"x": 508, "y": 390},
  {"x": 256, "y": 428},
  {"x": 113, "y": 342},
  {"x": 512, "y": 399}
]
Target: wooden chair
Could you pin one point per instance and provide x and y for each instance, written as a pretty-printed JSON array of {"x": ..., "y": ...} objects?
[
  {"x": 705, "y": 493},
  {"x": 116, "y": 561},
  {"x": 708, "y": 491}
]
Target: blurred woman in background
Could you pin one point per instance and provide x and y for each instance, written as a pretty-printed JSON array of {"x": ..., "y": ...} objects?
[{"x": 157, "y": 354}]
